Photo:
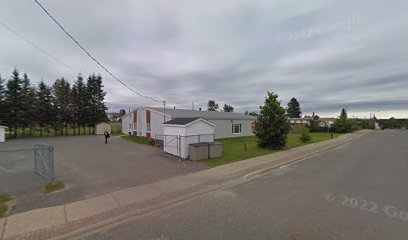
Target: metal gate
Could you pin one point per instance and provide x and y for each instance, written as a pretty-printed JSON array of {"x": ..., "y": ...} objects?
[
  {"x": 172, "y": 145},
  {"x": 44, "y": 161}
]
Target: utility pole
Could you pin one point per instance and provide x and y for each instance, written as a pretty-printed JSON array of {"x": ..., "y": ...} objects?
[{"x": 164, "y": 111}]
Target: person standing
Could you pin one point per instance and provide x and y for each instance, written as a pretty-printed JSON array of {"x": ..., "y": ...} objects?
[{"x": 107, "y": 135}]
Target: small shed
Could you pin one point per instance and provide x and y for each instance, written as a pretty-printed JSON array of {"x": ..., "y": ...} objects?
[
  {"x": 179, "y": 133},
  {"x": 2, "y": 133},
  {"x": 100, "y": 128}
]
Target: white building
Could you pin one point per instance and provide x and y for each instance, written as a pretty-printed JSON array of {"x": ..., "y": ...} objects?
[
  {"x": 179, "y": 133},
  {"x": 2, "y": 134},
  {"x": 101, "y": 128},
  {"x": 147, "y": 121},
  {"x": 304, "y": 121}
]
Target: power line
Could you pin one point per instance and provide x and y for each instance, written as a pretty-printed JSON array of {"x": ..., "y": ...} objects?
[
  {"x": 35, "y": 46},
  {"x": 92, "y": 57}
]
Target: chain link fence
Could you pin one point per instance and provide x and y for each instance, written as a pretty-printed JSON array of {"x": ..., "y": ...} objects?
[
  {"x": 44, "y": 161},
  {"x": 25, "y": 169},
  {"x": 178, "y": 145}
]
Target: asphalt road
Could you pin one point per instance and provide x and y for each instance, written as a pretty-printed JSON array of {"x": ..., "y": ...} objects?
[{"x": 358, "y": 191}]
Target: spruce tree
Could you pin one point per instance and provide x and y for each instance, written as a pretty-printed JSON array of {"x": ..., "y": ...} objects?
[
  {"x": 293, "y": 110},
  {"x": 2, "y": 102},
  {"x": 13, "y": 102},
  {"x": 79, "y": 101},
  {"x": 96, "y": 109},
  {"x": 62, "y": 103},
  {"x": 343, "y": 124},
  {"x": 343, "y": 114},
  {"x": 272, "y": 125},
  {"x": 27, "y": 105},
  {"x": 45, "y": 110}
]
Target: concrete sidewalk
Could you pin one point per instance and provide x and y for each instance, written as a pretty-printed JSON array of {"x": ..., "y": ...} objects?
[{"x": 74, "y": 218}]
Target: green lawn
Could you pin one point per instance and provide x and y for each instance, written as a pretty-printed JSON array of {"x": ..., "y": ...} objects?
[
  {"x": 116, "y": 128},
  {"x": 3, "y": 206},
  {"x": 233, "y": 148},
  {"x": 137, "y": 139}
]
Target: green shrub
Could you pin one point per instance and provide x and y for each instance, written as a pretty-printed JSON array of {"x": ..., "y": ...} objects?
[{"x": 304, "y": 135}]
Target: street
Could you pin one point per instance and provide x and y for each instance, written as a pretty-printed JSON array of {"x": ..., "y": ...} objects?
[{"x": 358, "y": 191}]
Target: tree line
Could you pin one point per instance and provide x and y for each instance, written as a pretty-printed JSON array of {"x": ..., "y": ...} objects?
[{"x": 28, "y": 108}]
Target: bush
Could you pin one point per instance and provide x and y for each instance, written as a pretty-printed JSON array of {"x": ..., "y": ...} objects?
[
  {"x": 304, "y": 135},
  {"x": 318, "y": 129},
  {"x": 344, "y": 126}
]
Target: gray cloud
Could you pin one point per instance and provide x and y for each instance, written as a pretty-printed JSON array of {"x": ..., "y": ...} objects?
[{"x": 230, "y": 51}]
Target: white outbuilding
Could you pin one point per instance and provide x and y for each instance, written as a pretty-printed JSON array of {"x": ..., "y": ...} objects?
[
  {"x": 2, "y": 133},
  {"x": 101, "y": 128},
  {"x": 179, "y": 133}
]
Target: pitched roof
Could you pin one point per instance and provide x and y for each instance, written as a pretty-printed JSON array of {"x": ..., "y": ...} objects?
[
  {"x": 209, "y": 115},
  {"x": 186, "y": 121},
  {"x": 181, "y": 121}
]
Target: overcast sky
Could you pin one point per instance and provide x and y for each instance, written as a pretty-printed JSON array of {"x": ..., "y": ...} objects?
[{"x": 328, "y": 54}]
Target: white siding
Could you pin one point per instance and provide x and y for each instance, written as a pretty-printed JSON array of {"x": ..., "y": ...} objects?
[
  {"x": 2, "y": 134},
  {"x": 174, "y": 130},
  {"x": 171, "y": 140},
  {"x": 199, "y": 128},
  {"x": 100, "y": 128},
  {"x": 223, "y": 128},
  {"x": 156, "y": 120},
  {"x": 188, "y": 135},
  {"x": 127, "y": 125}
]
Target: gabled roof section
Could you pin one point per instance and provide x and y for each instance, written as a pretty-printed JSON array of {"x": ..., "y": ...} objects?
[
  {"x": 180, "y": 121},
  {"x": 186, "y": 121},
  {"x": 209, "y": 115}
]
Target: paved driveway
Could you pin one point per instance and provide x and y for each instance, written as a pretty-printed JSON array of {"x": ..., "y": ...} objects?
[{"x": 87, "y": 166}]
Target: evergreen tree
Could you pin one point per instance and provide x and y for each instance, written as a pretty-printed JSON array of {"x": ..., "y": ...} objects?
[
  {"x": 343, "y": 114},
  {"x": 96, "y": 110},
  {"x": 27, "y": 105},
  {"x": 343, "y": 124},
  {"x": 212, "y": 106},
  {"x": 13, "y": 102},
  {"x": 314, "y": 122},
  {"x": 2, "y": 102},
  {"x": 62, "y": 103},
  {"x": 253, "y": 114},
  {"x": 246, "y": 112},
  {"x": 272, "y": 125},
  {"x": 228, "y": 108},
  {"x": 79, "y": 100},
  {"x": 45, "y": 110},
  {"x": 293, "y": 110}
]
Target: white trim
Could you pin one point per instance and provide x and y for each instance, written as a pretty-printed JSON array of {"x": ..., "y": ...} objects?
[{"x": 233, "y": 128}]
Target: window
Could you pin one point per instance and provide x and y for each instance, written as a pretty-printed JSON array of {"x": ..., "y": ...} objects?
[
  {"x": 148, "y": 127},
  {"x": 236, "y": 128}
]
